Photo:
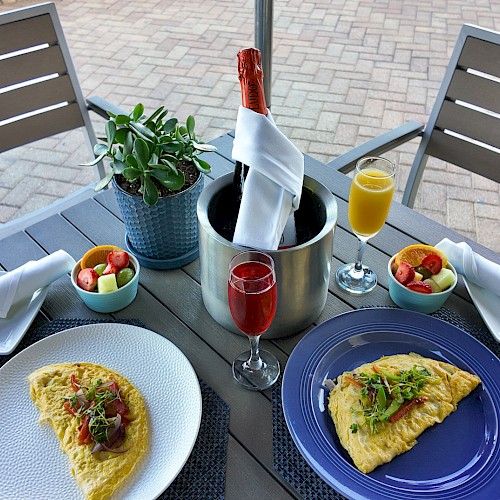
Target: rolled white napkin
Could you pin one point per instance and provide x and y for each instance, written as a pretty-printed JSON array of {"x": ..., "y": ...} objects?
[
  {"x": 22, "y": 282},
  {"x": 274, "y": 182},
  {"x": 471, "y": 265}
]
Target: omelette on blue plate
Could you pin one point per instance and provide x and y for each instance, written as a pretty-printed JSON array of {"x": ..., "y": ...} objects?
[
  {"x": 100, "y": 420},
  {"x": 380, "y": 408}
]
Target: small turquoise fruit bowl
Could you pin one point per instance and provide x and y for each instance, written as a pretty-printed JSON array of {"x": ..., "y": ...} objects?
[
  {"x": 111, "y": 301},
  {"x": 415, "y": 301}
]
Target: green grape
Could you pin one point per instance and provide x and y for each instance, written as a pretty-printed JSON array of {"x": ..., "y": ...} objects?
[
  {"x": 99, "y": 269},
  {"x": 423, "y": 271},
  {"x": 124, "y": 276}
]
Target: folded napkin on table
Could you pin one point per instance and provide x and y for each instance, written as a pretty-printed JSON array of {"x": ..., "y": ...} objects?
[
  {"x": 22, "y": 282},
  {"x": 471, "y": 265},
  {"x": 273, "y": 185}
]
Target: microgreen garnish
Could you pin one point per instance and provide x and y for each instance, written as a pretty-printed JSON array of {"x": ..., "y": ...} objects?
[
  {"x": 99, "y": 411},
  {"x": 384, "y": 396}
]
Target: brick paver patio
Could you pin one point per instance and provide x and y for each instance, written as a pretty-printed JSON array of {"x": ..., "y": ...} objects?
[{"x": 344, "y": 71}]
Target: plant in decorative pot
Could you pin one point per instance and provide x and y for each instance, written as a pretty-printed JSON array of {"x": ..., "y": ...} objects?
[{"x": 157, "y": 176}]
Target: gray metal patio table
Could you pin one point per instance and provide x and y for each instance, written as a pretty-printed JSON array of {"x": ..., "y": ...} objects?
[{"x": 170, "y": 303}]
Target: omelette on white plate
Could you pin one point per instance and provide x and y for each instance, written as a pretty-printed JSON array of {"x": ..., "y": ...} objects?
[
  {"x": 100, "y": 419},
  {"x": 380, "y": 408}
]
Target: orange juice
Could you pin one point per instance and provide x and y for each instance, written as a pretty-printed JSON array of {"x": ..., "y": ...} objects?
[{"x": 369, "y": 201}]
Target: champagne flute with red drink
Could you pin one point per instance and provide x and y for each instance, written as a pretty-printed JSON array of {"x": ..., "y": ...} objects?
[{"x": 253, "y": 296}]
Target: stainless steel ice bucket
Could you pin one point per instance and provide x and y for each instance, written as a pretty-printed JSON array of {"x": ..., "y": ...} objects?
[{"x": 302, "y": 272}]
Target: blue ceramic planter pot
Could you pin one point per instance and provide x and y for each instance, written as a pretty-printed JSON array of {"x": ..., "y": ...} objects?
[{"x": 163, "y": 236}]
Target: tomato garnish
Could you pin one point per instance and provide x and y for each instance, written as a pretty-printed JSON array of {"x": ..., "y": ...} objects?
[
  {"x": 406, "y": 408},
  {"x": 84, "y": 436},
  {"x": 120, "y": 407},
  {"x": 353, "y": 382},
  {"x": 74, "y": 384},
  {"x": 67, "y": 406}
]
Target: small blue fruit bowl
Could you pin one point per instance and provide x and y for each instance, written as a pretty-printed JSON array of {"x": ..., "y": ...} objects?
[
  {"x": 111, "y": 301},
  {"x": 416, "y": 301}
]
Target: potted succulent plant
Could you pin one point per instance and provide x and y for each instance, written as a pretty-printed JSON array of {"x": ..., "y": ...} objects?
[{"x": 157, "y": 176}]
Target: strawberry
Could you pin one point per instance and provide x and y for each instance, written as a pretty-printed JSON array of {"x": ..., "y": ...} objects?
[
  {"x": 433, "y": 263},
  {"x": 110, "y": 269},
  {"x": 419, "y": 286},
  {"x": 405, "y": 273},
  {"x": 87, "y": 279},
  {"x": 118, "y": 260}
]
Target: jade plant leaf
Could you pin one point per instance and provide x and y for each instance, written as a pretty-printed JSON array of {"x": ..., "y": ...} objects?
[
  {"x": 138, "y": 112},
  {"x": 110, "y": 132},
  {"x": 170, "y": 125},
  {"x": 131, "y": 173},
  {"x": 202, "y": 166},
  {"x": 104, "y": 182},
  {"x": 150, "y": 193},
  {"x": 190, "y": 126},
  {"x": 170, "y": 179},
  {"x": 141, "y": 153}
]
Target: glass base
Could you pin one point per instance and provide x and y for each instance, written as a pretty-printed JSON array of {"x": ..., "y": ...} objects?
[
  {"x": 356, "y": 282},
  {"x": 259, "y": 379}
]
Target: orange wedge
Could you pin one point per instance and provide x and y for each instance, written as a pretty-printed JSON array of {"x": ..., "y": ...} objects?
[
  {"x": 415, "y": 254},
  {"x": 97, "y": 255}
]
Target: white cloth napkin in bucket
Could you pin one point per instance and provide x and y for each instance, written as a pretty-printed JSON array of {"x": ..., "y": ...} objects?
[
  {"x": 273, "y": 185},
  {"x": 22, "y": 282},
  {"x": 471, "y": 265}
]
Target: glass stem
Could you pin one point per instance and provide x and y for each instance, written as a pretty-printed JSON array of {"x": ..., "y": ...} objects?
[
  {"x": 254, "y": 362},
  {"x": 358, "y": 266}
]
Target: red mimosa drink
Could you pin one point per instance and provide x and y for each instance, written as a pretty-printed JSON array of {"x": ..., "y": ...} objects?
[{"x": 252, "y": 297}]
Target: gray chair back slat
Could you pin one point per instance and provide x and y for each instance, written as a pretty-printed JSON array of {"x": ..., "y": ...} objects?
[
  {"x": 464, "y": 125},
  {"x": 472, "y": 157},
  {"x": 475, "y": 90},
  {"x": 39, "y": 126},
  {"x": 36, "y": 72},
  {"x": 468, "y": 123},
  {"x": 26, "y": 67},
  {"x": 480, "y": 54},
  {"x": 25, "y": 33},
  {"x": 35, "y": 97}
]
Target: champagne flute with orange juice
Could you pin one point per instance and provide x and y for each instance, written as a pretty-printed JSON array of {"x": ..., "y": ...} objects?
[{"x": 372, "y": 189}]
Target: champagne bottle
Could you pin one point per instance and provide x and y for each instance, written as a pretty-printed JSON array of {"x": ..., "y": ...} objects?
[
  {"x": 252, "y": 97},
  {"x": 251, "y": 79}
]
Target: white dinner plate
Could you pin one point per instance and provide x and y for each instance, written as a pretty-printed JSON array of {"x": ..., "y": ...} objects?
[
  {"x": 19, "y": 319},
  {"x": 33, "y": 465},
  {"x": 488, "y": 305}
]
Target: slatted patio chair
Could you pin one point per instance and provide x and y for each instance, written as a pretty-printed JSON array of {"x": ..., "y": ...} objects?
[
  {"x": 40, "y": 95},
  {"x": 464, "y": 125}
]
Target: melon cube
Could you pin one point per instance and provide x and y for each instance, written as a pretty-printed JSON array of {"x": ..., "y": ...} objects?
[
  {"x": 418, "y": 277},
  {"x": 107, "y": 283},
  {"x": 444, "y": 279},
  {"x": 433, "y": 285}
]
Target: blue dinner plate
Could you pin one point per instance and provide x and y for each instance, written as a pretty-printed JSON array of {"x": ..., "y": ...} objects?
[{"x": 456, "y": 459}]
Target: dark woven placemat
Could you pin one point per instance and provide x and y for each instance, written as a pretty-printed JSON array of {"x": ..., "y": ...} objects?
[
  {"x": 289, "y": 463},
  {"x": 204, "y": 474},
  {"x": 287, "y": 460}
]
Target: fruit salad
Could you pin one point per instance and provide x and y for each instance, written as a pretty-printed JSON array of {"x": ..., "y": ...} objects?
[
  {"x": 423, "y": 269},
  {"x": 108, "y": 276}
]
